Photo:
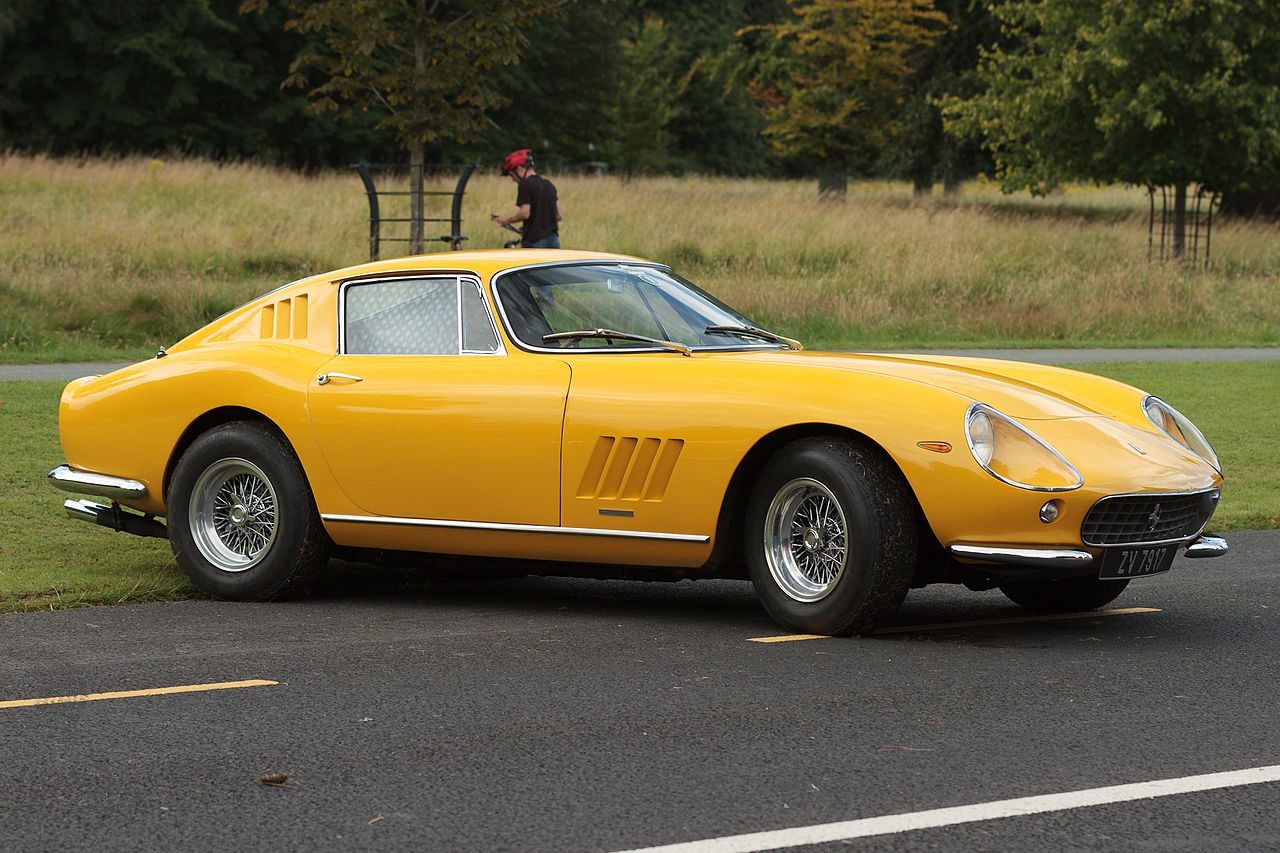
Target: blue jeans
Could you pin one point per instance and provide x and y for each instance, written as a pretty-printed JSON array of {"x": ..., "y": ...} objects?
[{"x": 551, "y": 241}]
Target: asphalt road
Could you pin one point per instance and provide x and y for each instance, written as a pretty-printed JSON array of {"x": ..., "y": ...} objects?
[{"x": 536, "y": 714}]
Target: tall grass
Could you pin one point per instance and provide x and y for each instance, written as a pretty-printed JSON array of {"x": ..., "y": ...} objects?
[{"x": 108, "y": 255}]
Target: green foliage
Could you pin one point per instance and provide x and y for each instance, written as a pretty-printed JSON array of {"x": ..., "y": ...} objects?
[
  {"x": 156, "y": 76},
  {"x": 924, "y": 153},
  {"x": 1161, "y": 92},
  {"x": 644, "y": 109},
  {"x": 644, "y": 85},
  {"x": 713, "y": 126},
  {"x": 1145, "y": 92},
  {"x": 562, "y": 93},
  {"x": 833, "y": 86},
  {"x": 648, "y": 87},
  {"x": 424, "y": 68}
]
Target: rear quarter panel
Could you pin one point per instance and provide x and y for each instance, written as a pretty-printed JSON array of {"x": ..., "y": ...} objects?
[
  {"x": 260, "y": 357},
  {"x": 129, "y": 423}
]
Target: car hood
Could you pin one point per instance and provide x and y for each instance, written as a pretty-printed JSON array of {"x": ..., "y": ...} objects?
[{"x": 1019, "y": 389}]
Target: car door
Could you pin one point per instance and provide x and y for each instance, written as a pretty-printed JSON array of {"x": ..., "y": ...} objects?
[{"x": 424, "y": 415}]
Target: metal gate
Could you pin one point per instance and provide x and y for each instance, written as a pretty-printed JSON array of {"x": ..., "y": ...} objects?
[{"x": 391, "y": 173}]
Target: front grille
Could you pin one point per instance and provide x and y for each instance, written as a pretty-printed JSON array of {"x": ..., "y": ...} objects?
[{"x": 1150, "y": 518}]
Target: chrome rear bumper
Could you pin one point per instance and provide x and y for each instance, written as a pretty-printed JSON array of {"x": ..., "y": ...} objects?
[
  {"x": 115, "y": 517},
  {"x": 68, "y": 479}
]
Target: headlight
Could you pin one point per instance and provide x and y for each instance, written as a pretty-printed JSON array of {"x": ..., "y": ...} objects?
[
  {"x": 1174, "y": 424},
  {"x": 1010, "y": 452}
]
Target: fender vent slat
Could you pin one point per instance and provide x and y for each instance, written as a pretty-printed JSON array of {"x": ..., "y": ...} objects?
[{"x": 630, "y": 468}]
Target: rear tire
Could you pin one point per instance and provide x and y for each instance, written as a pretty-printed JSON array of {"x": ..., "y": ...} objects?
[
  {"x": 242, "y": 521},
  {"x": 831, "y": 537},
  {"x": 1063, "y": 596}
]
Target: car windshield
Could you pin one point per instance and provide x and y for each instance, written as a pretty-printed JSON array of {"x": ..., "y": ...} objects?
[{"x": 634, "y": 300}]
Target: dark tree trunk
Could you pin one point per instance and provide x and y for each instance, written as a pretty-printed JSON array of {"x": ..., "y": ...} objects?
[
  {"x": 416, "y": 149},
  {"x": 1179, "y": 222},
  {"x": 415, "y": 198}
]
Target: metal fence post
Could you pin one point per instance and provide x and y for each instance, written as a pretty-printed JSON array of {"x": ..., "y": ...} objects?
[
  {"x": 374, "y": 219},
  {"x": 456, "y": 238}
]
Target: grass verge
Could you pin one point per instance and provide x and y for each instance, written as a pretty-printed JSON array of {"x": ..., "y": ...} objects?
[
  {"x": 49, "y": 561},
  {"x": 159, "y": 247}
]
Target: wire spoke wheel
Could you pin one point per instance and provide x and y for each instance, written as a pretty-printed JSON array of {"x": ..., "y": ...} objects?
[
  {"x": 831, "y": 536},
  {"x": 243, "y": 524},
  {"x": 233, "y": 514},
  {"x": 806, "y": 539}
]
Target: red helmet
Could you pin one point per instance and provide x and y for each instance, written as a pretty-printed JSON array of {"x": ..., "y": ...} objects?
[{"x": 516, "y": 159}]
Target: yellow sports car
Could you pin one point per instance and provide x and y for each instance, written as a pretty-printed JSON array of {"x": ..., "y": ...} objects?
[{"x": 600, "y": 414}]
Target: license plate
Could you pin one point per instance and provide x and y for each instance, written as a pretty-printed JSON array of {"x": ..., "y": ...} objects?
[{"x": 1125, "y": 563}]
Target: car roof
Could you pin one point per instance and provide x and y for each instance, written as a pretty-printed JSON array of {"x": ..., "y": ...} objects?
[{"x": 485, "y": 263}]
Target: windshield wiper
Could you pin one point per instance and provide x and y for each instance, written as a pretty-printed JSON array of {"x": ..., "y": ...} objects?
[
  {"x": 755, "y": 333},
  {"x": 611, "y": 335}
]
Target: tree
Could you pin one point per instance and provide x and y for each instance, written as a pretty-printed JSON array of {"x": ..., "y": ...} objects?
[
  {"x": 712, "y": 125},
  {"x": 561, "y": 93},
  {"x": 832, "y": 87},
  {"x": 924, "y": 152},
  {"x": 645, "y": 105},
  {"x": 644, "y": 85},
  {"x": 157, "y": 76},
  {"x": 422, "y": 64},
  {"x": 1144, "y": 92}
]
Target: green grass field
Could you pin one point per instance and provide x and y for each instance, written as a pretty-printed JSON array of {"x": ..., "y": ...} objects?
[
  {"x": 50, "y": 561},
  {"x": 103, "y": 258}
]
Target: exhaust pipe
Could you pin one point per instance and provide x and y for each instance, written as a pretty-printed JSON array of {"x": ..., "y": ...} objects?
[{"x": 116, "y": 518}]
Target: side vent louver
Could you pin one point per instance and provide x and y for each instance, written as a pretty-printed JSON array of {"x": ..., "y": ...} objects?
[
  {"x": 630, "y": 469},
  {"x": 285, "y": 320}
]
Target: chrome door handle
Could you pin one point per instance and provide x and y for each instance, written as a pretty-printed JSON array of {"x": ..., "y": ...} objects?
[{"x": 326, "y": 378}]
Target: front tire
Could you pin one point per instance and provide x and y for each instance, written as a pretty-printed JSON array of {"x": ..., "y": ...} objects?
[
  {"x": 831, "y": 537},
  {"x": 242, "y": 522},
  {"x": 1085, "y": 592}
]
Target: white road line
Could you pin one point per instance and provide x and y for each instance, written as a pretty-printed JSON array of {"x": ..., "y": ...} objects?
[{"x": 892, "y": 824}]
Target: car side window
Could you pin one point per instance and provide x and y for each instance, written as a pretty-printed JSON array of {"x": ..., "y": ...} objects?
[
  {"x": 402, "y": 317},
  {"x": 443, "y": 316},
  {"x": 478, "y": 333}
]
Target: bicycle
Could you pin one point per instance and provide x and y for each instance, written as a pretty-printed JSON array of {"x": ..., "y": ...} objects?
[{"x": 514, "y": 242}]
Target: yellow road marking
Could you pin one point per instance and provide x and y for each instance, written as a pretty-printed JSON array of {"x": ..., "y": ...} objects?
[
  {"x": 130, "y": 694},
  {"x": 788, "y": 638},
  {"x": 942, "y": 626}
]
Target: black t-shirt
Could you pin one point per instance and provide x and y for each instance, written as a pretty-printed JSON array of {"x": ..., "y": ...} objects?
[{"x": 540, "y": 194}]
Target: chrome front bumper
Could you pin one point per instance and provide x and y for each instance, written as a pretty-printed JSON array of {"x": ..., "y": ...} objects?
[{"x": 1206, "y": 545}]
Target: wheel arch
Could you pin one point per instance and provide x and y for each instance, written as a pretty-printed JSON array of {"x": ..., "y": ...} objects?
[
  {"x": 207, "y": 421},
  {"x": 728, "y": 557}
]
